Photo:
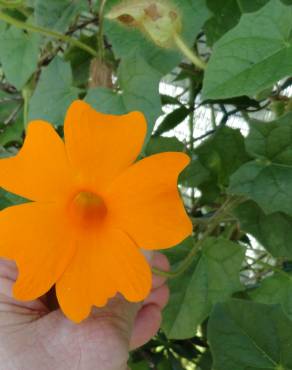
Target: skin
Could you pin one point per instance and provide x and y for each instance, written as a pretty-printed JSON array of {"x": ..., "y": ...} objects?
[{"x": 36, "y": 335}]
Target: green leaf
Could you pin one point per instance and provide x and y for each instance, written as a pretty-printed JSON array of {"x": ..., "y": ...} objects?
[
  {"x": 267, "y": 180},
  {"x": 245, "y": 335},
  {"x": 276, "y": 289},
  {"x": 222, "y": 154},
  {"x": 172, "y": 120},
  {"x": 175, "y": 363},
  {"x": 58, "y": 14},
  {"x": 228, "y": 13},
  {"x": 267, "y": 184},
  {"x": 164, "y": 365},
  {"x": 214, "y": 278},
  {"x": 273, "y": 231},
  {"x": 138, "y": 84},
  {"x": 18, "y": 55},
  {"x": 8, "y": 199},
  {"x": 80, "y": 60},
  {"x": 124, "y": 40},
  {"x": 142, "y": 365},
  {"x": 253, "y": 55},
  {"x": 194, "y": 175},
  {"x": 206, "y": 361},
  {"x": 176, "y": 254},
  {"x": 210, "y": 192},
  {"x": 226, "y": 16},
  {"x": 3, "y": 26},
  {"x": 271, "y": 140},
  {"x": 163, "y": 144},
  {"x": 168, "y": 99},
  {"x": 54, "y": 93},
  {"x": 10, "y": 106},
  {"x": 12, "y": 133}
]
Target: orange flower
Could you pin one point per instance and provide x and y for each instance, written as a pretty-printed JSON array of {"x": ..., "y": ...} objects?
[{"x": 92, "y": 210}]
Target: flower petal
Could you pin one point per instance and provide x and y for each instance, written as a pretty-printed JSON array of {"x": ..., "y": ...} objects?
[
  {"x": 36, "y": 237},
  {"x": 104, "y": 265},
  {"x": 100, "y": 146},
  {"x": 145, "y": 202},
  {"x": 40, "y": 170}
]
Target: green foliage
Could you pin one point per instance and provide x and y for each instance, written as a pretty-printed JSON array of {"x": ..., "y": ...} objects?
[
  {"x": 8, "y": 199},
  {"x": 172, "y": 120},
  {"x": 265, "y": 183},
  {"x": 222, "y": 154},
  {"x": 160, "y": 144},
  {"x": 53, "y": 94},
  {"x": 253, "y": 55},
  {"x": 226, "y": 15},
  {"x": 12, "y": 133},
  {"x": 214, "y": 277},
  {"x": 246, "y": 335},
  {"x": 58, "y": 14},
  {"x": 80, "y": 60},
  {"x": 18, "y": 47},
  {"x": 238, "y": 187},
  {"x": 273, "y": 231},
  {"x": 271, "y": 140},
  {"x": 266, "y": 179},
  {"x": 133, "y": 73},
  {"x": 276, "y": 289}
]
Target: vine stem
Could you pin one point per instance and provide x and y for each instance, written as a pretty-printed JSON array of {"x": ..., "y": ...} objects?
[
  {"x": 270, "y": 267},
  {"x": 100, "y": 29},
  {"x": 26, "y": 93},
  {"x": 46, "y": 32},
  {"x": 11, "y": 4},
  {"x": 192, "y": 98},
  {"x": 188, "y": 52},
  {"x": 214, "y": 221}
]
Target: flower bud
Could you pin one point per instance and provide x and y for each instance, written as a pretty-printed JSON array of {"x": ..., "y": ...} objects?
[{"x": 159, "y": 20}]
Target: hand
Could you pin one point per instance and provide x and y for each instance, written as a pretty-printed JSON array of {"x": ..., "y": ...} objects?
[{"x": 36, "y": 335}]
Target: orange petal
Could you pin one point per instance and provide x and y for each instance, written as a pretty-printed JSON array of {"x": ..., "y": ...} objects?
[
  {"x": 40, "y": 170},
  {"x": 36, "y": 237},
  {"x": 100, "y": 146},
  {"x": 104, "y": 265},
  {"x": 145, "y": 202}
]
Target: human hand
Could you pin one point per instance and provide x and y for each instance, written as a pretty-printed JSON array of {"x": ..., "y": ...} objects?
[{"x": 36, "y": 335}]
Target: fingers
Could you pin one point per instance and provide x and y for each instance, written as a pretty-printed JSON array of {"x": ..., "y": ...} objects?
[
  {"x": 8, "y": 269},
  {"x": 12, "y": 310},
  {"x": 158, "y": 297},
  {"x": 160, "y": 262},
  {"x": 148, "y": 319},
  {"x": 146, "y": 325}
]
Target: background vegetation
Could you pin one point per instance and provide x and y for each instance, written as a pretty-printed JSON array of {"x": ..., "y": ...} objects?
[{"x": 231, "y": 283}]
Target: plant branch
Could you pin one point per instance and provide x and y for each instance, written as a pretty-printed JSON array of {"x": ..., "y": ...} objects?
[
  {"x": 100, "y": 29},
  {"x": 46, "y": 32},
  {"x": 10, "y": 99},
  {"x": 214, "y": 221},
  {"x": 188, "y": 52},
  {"x": 13, "y": 115},
  {"x": 7, "y": 88},
  {"x": 270, "y": 267},
  {"x": 11, "y": 4},
  {"x": 82, "y": 25}
]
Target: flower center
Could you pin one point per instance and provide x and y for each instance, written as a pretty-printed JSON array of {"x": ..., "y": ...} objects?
[{"x": 87, "y": 208}]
